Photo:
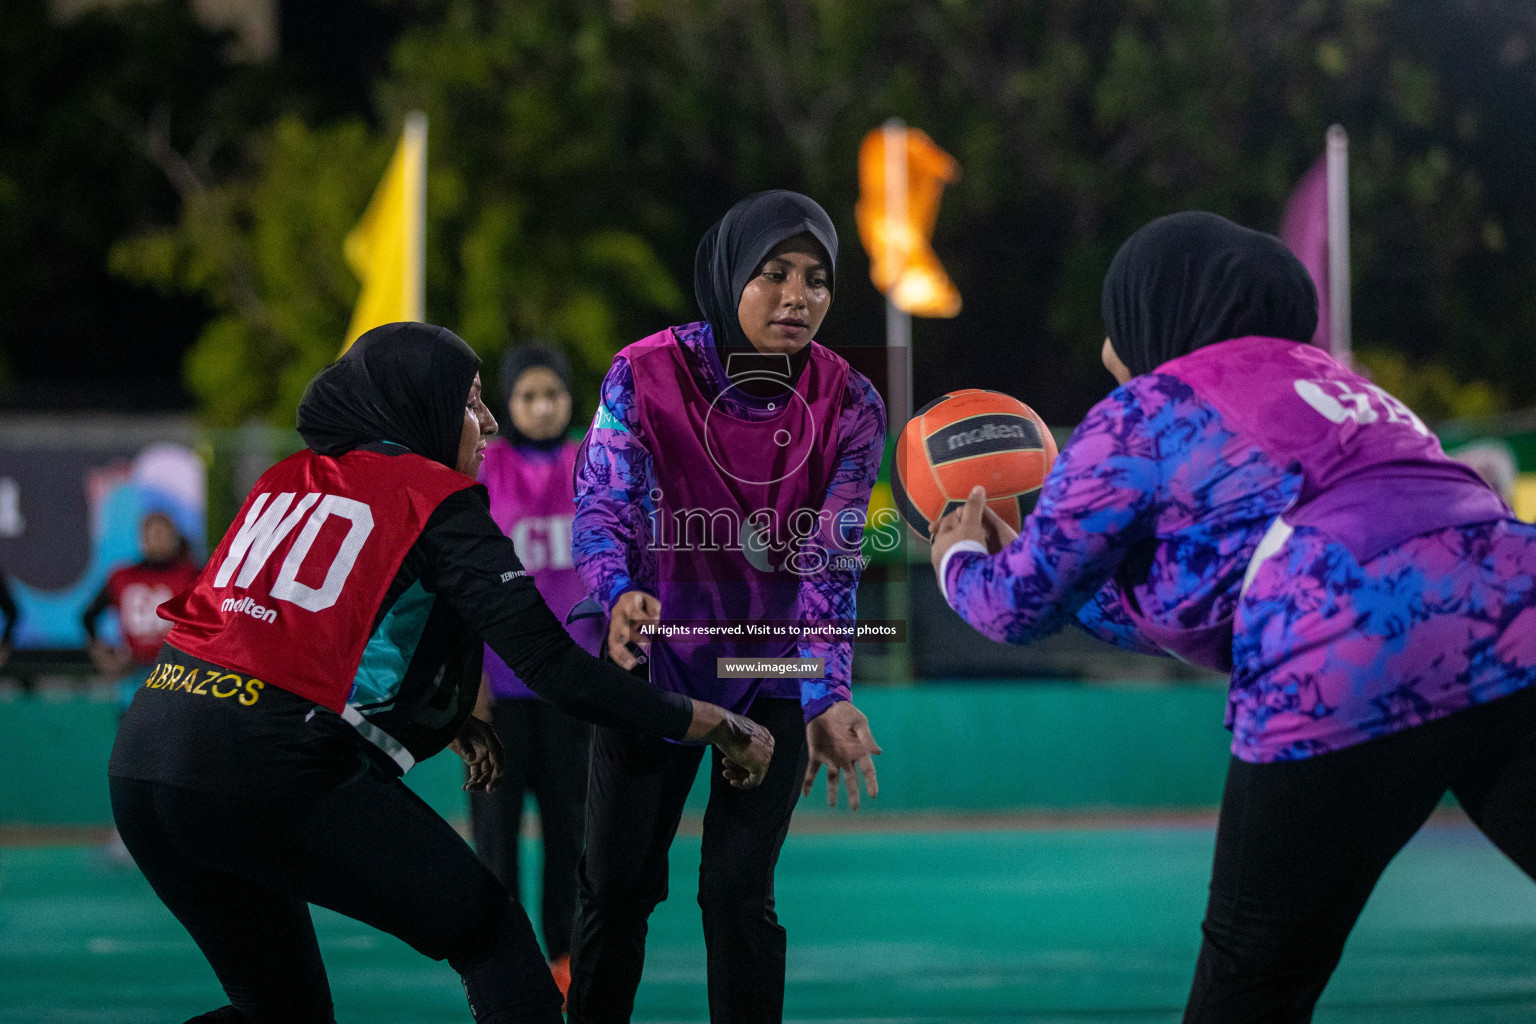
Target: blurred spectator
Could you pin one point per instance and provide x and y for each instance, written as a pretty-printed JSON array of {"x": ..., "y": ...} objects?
[
  {"x": 8, "y": 609},
  {"x": 136, "y": 592}
]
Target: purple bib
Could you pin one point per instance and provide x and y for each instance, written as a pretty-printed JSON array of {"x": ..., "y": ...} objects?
[
  {"x": 533, "y": 501},
  {"x": 1373, "y": 474},
  {"x": 735, "y": 497}
]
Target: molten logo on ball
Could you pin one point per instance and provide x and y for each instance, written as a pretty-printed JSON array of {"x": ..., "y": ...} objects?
[
  {"x": 968, "y": 438},
  {"x": 987, "y": 432}
]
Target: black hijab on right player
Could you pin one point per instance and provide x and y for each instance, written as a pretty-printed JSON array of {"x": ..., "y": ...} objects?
[
  {"x": 1193, "y": 279},
  {"x": 404, "y": 383}
]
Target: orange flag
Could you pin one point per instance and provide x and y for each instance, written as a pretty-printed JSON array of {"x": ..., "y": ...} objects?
[{"x": 898, "y": 207}]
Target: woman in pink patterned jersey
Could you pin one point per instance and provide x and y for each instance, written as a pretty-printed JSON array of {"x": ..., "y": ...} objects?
[
  {"x": 1245, "y": 502},
  {"x": 742, "y": 424}
]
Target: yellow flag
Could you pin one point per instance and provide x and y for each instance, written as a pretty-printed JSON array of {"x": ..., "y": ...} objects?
[
  {"x": 1524, "y": 500},
  {"x": 902, "y": 174},
  {"x": 387, "y": 248}
]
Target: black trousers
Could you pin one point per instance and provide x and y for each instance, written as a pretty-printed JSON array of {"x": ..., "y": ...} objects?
[
  {"x": 547, "y": 755},
  {"x": 635, "y": 795},
  {"x": 239, "y": 875},
  {"x": 1301, "y": 844}
]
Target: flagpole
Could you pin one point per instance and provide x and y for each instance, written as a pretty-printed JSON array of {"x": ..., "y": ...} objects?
[
  {"x": 416, "y": 244},
  {"x": 1338, "y": 245},
  {"x": 898, "y": 324},
  {"x": 898, "y": 349}
]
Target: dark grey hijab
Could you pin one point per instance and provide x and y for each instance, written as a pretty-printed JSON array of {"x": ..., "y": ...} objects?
[{"x": 514, "y": 364}]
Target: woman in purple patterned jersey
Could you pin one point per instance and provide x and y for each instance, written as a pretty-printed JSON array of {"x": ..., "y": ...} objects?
[
  {"x": 728, "y": 467},
  {"x": 1244, "y": 502}
]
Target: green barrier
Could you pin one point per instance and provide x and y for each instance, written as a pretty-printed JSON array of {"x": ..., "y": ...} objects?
[
  {"x": 1046, "y": 746},
  {"x": 53, "y": 761},
  {"x": 949, "y": 747}
]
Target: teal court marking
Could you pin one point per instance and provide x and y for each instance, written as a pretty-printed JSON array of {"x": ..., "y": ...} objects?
[{"x": 1079, "y": 926}]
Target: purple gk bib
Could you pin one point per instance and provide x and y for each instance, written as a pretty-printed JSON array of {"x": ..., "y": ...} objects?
[
  {"x": 533, "y": 501},
  {"x": 735, "y": 496},
  {"x": 1373, "y": 474}
]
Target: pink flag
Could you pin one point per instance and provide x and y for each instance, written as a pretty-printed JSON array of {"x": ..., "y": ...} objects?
[{"x": 1305, "y": 232}]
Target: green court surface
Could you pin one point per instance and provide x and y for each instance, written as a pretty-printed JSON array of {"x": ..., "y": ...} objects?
[{"x": 1085, "y": 925}]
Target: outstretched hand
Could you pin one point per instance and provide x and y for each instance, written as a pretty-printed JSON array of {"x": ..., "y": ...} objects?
[
  {"x": 109, "y": 660},
  {"x": 974, "y": 520},
  {"x": 746, "y": 748},
  {"x": 632, "y": 610},
  {"x": 839, "y": 738},
  {"x": 482, "y": 752}
]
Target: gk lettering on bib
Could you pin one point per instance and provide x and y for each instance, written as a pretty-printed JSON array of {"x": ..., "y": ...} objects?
[{"x": 291, "y": 592}]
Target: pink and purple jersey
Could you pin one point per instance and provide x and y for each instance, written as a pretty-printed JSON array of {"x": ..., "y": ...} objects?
[
  {"x": 693, "y": 490},
  {"x": 1257, "y": 508},
  {"x": 533, "y": 504}
]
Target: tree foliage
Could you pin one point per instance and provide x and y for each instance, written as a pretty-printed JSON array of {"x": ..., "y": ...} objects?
[
  {"x": 264, "y": 249},
  {"x": 579, "y": 147},
  {"x": 84, "y": 106}
]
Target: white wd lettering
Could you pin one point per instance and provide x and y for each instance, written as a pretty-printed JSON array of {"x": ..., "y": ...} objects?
[
  {"x": 267, "y": 525},
  {"x": 287, "y": 587},
  {"x": 260, "y": 534}
]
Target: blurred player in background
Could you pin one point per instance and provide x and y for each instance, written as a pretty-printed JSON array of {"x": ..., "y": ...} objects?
[
  {"x": 1494, "y": 462},
  {"x": 258, "y": 769},
  {"x": 1246, "y": 503},
  {"x": 527, "y": 473},
  {"x": 12, "y": 617},
  {"x": 136, "y": 592},
  {"x": 709, "y": 439}
]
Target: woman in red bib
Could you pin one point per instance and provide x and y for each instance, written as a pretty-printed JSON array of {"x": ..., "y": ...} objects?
[{"x": 333, "y": 641}]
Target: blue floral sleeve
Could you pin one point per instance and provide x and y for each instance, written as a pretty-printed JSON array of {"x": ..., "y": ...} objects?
[
  {"x": 1152, "y": 481},
  {"x": 614, "y": 479},
  {"x": 1104, "y": 617},
  {"x": 1097, "y": 501},
  {"x": 832, "y": 594}
]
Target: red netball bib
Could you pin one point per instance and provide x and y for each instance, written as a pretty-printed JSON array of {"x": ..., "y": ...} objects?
[{"x": 291, "y": 593}]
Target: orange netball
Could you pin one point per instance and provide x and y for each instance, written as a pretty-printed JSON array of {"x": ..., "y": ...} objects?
[{"x": 967, "y": 438}]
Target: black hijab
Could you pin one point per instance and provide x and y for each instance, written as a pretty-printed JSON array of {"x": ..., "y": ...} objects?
[
  {"x": 514, "y": 364},
  {"x": 1192, "y": 279},
  {"x": 404, "y": 383},
  {"x": 731, "y": 251}
]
